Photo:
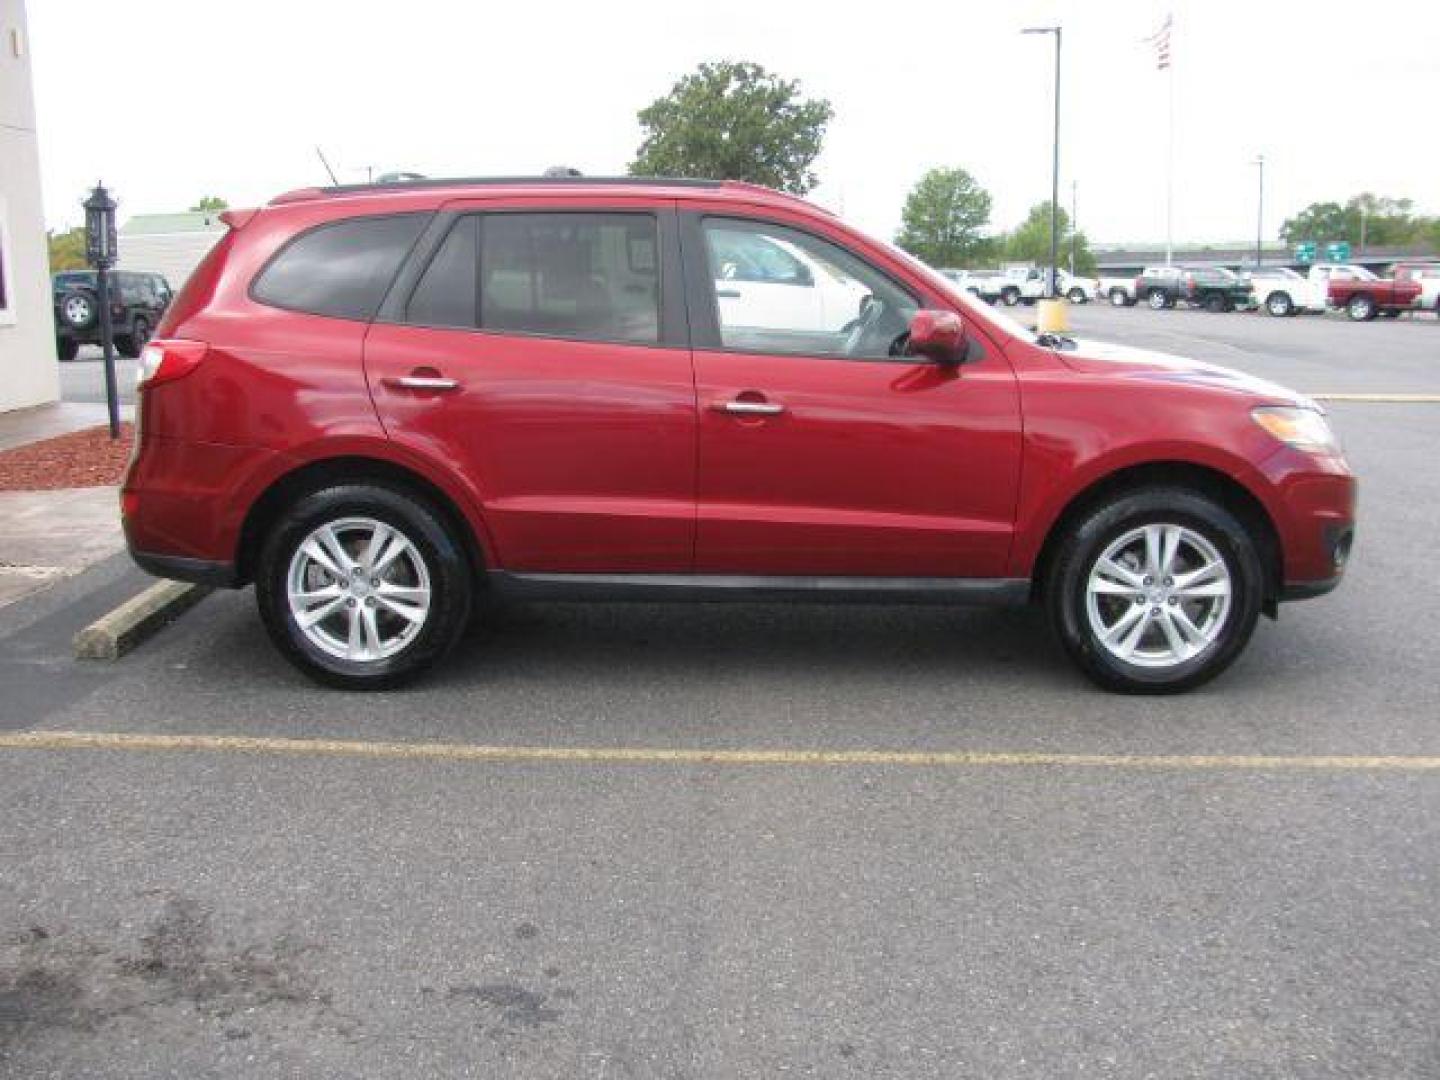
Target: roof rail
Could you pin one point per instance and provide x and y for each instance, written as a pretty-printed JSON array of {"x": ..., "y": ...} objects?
[{"x": 302, "y": 194}]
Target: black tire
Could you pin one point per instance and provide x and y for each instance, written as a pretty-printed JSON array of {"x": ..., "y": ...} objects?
[
  {"x": 1010, "y": 296},
  {"x": 1066, "y": 599},
  {"x": 66, "y": 348},
  {"x": 1120, "y": 298},
  {"x": 78, "y": 309},
  {"x": 451, "y": 584},
  {"x": 132, "y": 343},
  {"x": 1279, "y": 305},
  {"x": 1077, "y": 295},
  {"x": 1360, "y": 307},
  {"x": 1158, "y": 300},
  {"x": 1216, "y": 302}
]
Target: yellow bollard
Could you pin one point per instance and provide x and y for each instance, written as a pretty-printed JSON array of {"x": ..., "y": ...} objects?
[{"x": 1050, "y": 316}]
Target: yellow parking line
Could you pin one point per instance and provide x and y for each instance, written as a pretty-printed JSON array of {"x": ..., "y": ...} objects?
[
  {"x": 406, "y": 751},
  {"x": 1386, "y": 399}
]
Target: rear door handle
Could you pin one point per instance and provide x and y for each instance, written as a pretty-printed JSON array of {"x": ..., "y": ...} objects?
[
  {"x": 421, "y": 382},
  {"x": 750, "y": 408}
]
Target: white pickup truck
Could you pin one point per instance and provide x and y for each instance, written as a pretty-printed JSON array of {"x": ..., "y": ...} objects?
[
  {"x": 1120, "y": 291},
  {"x": 1280, "y": 292},
  {"x": 1026, "y": 284}
]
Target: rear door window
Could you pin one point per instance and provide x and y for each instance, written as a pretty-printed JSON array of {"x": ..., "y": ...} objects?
[
  {"x": 342, "y": 269},
  {"x": 587, "y": 276},
  {"x": 446, "y": 294}
]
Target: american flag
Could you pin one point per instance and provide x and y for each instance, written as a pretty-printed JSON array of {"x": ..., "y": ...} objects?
[{"x": 1161, "y": 40}]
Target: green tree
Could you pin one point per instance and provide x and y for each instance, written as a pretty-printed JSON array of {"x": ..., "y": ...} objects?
[
  {"x": 943, "y": 222},
  {"x": 67, "y": 250},
  {"x": 209, "y": 203},
  {"x": 1030, "y": 242},
  {"x": 734, "y": 121},
  {"x": 1364, "y": 219}
]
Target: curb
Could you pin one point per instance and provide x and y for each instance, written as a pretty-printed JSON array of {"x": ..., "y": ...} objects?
[{"x": 142, "y": 616}]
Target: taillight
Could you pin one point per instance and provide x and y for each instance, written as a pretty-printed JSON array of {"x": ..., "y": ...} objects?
[{"x": 165, "y": 360}]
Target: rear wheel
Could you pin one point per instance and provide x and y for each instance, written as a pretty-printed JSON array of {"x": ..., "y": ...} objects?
[
  {"x": 1158, "y": 300},
  {"x": 1011, "y": 296},
  {"x": 1077, "y": 295},
  {"x": 1155, "y": 592},
  {"x": 363, "y": 587},
  {"x": 1361, "y": 308},
  {"x": 1119, "y": 298},
  {"x": 1216, "y": 302}
]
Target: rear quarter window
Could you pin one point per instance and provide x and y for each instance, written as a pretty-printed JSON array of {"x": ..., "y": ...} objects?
[{"x": 341, "y": 269}]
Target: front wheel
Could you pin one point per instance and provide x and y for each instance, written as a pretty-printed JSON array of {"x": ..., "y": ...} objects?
[
  {"x": 1158, "y": 300},
  {"x": 1155, "y": 592},
  {"x": 1077, "y": 296},
  {"x": 1010, "y": 297},
  {"x": 1119, "y": 298},
  {"x": 1279, "y": 305},
  {"x": 363, "y": 587},
  {"x": 1360, "y": 308}
]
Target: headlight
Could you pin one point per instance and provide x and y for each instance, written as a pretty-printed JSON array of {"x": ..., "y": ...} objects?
[{"x": 1304, "y": 429}]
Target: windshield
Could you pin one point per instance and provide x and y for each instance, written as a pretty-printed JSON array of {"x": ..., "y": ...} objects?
[{"x": 1364, "y": 275}]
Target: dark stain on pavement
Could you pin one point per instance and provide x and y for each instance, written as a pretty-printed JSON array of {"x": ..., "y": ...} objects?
[
  {"x": 54, "y": 980},
  {"x": 515, "y": 1006}
]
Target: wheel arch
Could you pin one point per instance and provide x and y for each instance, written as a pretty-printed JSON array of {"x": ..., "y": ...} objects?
[
  {"x": 350, "y": 468},
  {"x": 1229, "y": 492}
]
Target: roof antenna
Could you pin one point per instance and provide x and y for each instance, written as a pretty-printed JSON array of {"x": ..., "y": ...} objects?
[{"x": 327, "y": 167}]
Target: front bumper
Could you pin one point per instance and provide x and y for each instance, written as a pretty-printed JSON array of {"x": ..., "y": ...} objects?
[{"x": 1315, "y": 520}]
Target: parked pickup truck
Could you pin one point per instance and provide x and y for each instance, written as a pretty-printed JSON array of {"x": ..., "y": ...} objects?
[
  {"x": 1120, "y": 291},
  {"x": 1363, "y": 295},
  {"x": 1280, "y": 291},
  {"x": 1210, "y": 287},
  {"x": 1428, "y": 276},
  {"x": 1026, "y": 284}
]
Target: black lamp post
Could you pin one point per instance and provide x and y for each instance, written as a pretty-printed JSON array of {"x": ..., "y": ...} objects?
[
  {"x": 1052, "y": 291},
  {"x": 101, "y": 248}
]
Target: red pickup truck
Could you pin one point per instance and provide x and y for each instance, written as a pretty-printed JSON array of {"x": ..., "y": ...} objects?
[{"x": 1362, "y": 294}]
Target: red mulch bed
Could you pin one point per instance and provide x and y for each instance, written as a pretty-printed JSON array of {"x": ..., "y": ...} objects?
[{"x": 88, "y": 458}]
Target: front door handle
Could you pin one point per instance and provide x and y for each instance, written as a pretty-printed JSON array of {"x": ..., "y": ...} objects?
[
  {"x": 750, "y": 408},
  {"x": 422, "y": 382}
]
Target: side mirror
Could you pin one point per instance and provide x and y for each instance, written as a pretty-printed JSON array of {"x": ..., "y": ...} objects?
[{"x": 938, "y": 336}]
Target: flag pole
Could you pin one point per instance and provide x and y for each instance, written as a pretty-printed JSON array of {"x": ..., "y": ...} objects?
[{"x": 1170, "y": 149}]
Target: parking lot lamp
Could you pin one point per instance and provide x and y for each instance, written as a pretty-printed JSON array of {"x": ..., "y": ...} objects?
[
  {"x": 1051, "y": 290},
  {"x": 101, "y": 249}
]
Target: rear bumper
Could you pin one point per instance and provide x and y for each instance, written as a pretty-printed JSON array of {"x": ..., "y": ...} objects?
[{"x": 218, "y": 575}]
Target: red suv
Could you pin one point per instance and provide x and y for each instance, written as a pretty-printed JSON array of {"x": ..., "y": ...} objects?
[{"x": 381, "y": 403}]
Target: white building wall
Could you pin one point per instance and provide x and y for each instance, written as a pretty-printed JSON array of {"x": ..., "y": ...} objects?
[
  {"x": 173, "y": 254},
  {"x": 29, "y": 373}
]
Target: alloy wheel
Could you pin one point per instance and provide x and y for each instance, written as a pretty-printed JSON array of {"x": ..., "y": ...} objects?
[
  {"x": 358, "y": 589},
  {"x": 1158, "y": 596}
]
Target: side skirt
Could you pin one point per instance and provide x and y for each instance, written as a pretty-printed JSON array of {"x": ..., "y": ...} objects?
[{"x": 745, "y": 588}]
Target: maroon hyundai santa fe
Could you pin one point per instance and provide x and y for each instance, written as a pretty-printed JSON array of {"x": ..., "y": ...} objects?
[{"x": 381, "y": 404}]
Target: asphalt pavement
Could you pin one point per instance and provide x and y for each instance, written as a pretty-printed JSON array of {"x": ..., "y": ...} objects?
[{"x": 928, "y": 847}]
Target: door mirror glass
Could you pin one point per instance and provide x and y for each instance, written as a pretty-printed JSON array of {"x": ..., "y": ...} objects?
[{"x": 938, "y": 336}]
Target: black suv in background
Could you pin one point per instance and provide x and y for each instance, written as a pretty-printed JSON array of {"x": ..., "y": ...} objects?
[{"x": 136, "y": 303}]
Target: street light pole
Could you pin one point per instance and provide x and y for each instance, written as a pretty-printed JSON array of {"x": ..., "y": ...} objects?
[
  {"x": 1052, "y": 291},
  {"x": 1260, "y": 212}
]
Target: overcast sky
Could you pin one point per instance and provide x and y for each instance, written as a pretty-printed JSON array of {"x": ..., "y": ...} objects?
[{"x": 230, "y": 99}]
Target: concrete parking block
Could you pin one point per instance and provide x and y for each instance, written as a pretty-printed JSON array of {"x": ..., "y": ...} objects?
[{"x": 117, "y": 632}]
